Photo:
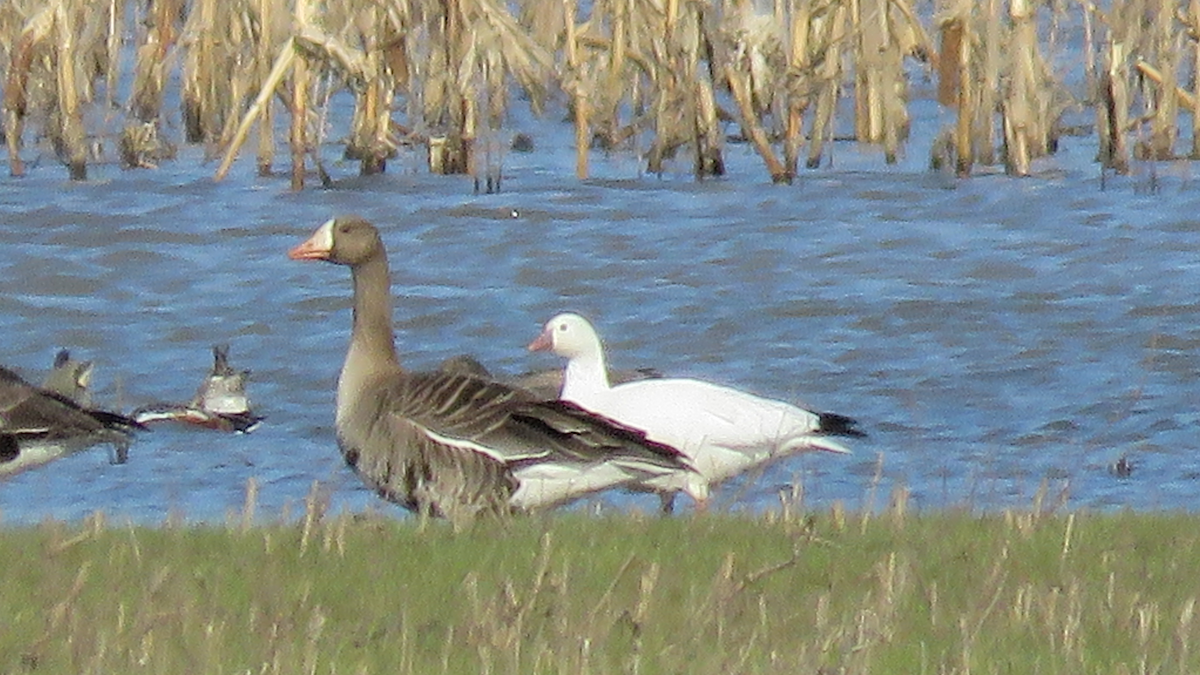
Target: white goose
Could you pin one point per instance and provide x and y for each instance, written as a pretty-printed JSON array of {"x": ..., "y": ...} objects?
[
  {"x": 452, "y": 444},
  {"x": 723, "y": 431}
]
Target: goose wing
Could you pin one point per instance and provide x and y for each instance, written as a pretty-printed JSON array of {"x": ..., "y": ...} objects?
[
  {"x": 28, "y": 410},
  {"x": 459, "y": 445},
  {"x": 513, "y": 427}
]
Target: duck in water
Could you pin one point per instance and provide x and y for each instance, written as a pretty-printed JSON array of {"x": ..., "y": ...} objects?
[{"x": 220, "y": 402}]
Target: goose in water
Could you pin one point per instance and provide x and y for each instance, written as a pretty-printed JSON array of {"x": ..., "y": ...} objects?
[
  {"x": 38, "y": 426},
  {"x": 220, "y": 402},
  {"x": 71, "y": 378},
  {"x": 457, "y": 445},
  {"x": 723, "y": 431}
]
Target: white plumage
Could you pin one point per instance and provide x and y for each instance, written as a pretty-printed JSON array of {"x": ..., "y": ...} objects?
[{"x": 722, "y": 431}]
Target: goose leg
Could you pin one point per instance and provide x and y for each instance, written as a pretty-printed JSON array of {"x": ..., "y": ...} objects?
[{"x": 667, "y": 501}]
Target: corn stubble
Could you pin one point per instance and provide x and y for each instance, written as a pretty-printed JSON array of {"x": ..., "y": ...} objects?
[{"x": 654, "y": 78}]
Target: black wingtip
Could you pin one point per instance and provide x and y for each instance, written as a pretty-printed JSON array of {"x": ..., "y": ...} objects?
[{"x": 840, "y": 425}]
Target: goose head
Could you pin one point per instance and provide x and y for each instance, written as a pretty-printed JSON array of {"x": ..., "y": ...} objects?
[
  {"x": 568, "y": 335},
  {"x": 346, "y": 240}
]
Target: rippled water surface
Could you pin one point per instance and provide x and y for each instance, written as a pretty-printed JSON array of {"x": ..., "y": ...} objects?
[{"x": 990, "y": 334}]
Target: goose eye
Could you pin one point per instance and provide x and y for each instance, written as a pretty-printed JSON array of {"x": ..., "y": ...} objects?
[{"x": 562, "y": 327}]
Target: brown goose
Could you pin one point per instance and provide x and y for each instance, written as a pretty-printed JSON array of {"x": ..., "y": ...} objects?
[
  {"x": 38, "y": 426},
  {"x": 454, "y": 444}
]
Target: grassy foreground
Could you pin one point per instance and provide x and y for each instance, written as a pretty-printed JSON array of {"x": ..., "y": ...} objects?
[{"x": 821, "y": 593}]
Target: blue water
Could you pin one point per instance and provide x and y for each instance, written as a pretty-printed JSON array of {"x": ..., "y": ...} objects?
[{"x": 991, "y": 334}]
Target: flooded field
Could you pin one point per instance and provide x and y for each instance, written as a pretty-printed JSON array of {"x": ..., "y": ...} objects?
[{"x": 990, "y": 334}]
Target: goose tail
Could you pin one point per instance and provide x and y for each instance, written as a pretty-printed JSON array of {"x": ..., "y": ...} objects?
[{"x": 833, "y": 424}]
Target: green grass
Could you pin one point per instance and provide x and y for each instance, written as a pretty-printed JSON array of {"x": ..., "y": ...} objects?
[{"x": 947, "y": 592}]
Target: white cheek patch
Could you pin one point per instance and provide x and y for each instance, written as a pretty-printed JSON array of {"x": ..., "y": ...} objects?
[{"x": 324, "y": 235}]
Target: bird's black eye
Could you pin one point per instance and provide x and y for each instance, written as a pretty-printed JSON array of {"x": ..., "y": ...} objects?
[{"x": 562, "y": 326}]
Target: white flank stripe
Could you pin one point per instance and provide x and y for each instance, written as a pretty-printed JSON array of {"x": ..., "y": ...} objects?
[{"x": 475, "y": 447}]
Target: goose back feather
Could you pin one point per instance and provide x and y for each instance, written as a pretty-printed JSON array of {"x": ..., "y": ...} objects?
[{"x": 545, "y": 383}]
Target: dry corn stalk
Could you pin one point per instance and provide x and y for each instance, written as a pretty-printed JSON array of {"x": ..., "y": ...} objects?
[
  {"x": 1113, "y": 112},
  {"x": 1021, "y": 125},
  {"x": 829, "y": 77},
  {"x": 68, "y": 132},
  {"x": 880, "y": 116},
  {"x": 263, "y": 60},
  {"x": 1166, "y": 44},
  {"x": 575, "y": 89},
  {"x": 1193, "y": 30},
  {"x": 16, "y": 90}
]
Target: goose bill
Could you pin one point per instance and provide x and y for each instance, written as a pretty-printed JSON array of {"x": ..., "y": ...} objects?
[{"x": 317, "y": 247}]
